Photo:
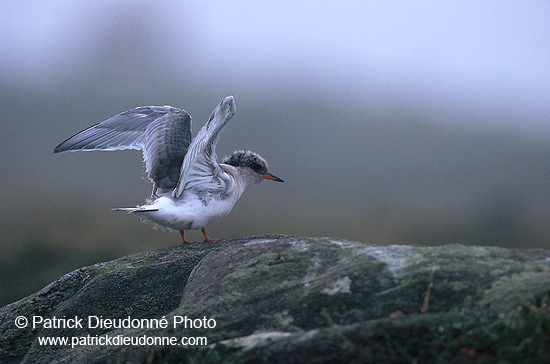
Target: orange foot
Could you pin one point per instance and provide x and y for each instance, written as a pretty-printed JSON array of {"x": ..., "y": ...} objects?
[
  {"x": 183, "y": 240},
  {"x": 206, "y": 237}
]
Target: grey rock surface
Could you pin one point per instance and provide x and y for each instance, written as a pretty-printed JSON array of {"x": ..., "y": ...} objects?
[{"x": 279, "y": 299}]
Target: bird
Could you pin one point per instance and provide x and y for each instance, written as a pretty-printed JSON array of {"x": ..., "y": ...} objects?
[{"x": 191, "y": 188}]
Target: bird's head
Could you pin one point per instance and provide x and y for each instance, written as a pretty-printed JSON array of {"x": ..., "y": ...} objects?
[{"x": 251, "y": 164}]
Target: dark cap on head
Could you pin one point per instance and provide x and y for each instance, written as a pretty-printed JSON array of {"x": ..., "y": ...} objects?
[{"x": 249, "y": 159}]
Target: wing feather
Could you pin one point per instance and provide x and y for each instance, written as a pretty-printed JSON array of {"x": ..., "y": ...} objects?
[
  {"x": 163, "y": 133},
  {"x": 200, "y": 169}
]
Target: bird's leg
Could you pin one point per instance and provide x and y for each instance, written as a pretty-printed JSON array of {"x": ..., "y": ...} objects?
[
  {"x": 183, "y": 240},
  {"x": 206, "y": 237},
  {"x": 154, "y": 192}
]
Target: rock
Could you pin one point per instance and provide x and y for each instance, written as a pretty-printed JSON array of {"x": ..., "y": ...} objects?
[{"x": 281, "y": 299}]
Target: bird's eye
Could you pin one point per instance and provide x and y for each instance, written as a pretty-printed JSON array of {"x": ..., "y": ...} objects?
[{"x": 255, "y": 167}]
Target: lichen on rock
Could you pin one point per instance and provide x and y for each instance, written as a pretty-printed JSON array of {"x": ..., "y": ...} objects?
[{"x": 289, "y": 298}]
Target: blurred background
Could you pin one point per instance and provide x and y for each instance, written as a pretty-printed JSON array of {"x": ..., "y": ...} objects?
[{"x": 391, "y": 123}]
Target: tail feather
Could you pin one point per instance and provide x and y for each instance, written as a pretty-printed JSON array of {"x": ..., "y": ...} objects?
[{"x": 134, "y": 209}]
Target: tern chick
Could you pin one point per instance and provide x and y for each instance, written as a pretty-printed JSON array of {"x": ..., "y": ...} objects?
[{"x": 191, "y": 189}]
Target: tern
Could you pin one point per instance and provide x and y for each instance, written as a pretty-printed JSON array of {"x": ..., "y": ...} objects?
[{"x": 191, "y": 189}]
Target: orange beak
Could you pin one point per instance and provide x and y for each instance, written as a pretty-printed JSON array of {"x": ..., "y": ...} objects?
[{"x": 271, "y": 177}]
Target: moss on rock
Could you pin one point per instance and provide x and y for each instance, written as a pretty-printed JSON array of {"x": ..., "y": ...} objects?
[{"x": 285, "y": 298}]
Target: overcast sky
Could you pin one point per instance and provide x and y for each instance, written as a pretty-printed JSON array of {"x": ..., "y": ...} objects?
[{"x": 488, "y": 58}]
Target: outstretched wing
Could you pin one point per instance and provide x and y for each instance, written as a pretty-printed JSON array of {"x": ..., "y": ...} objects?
[
  {"x": 163, "y": 133},
  {"x": 200, "y": 168}
]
